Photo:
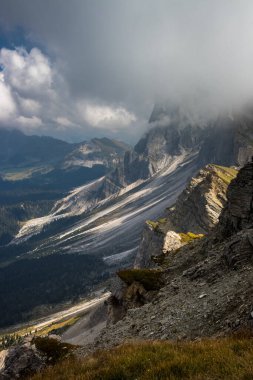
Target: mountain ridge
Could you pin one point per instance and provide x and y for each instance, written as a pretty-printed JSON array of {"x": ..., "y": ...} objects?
[{"x": 199, "y": 296}]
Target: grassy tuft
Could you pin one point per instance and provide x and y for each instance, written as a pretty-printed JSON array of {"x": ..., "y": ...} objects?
[
  {"x": 53, "y": 349},
  {"x": 151, "y": 279},
  {"x": 226, "y": 174},
  {"x": 162, "y": 220},
  {"x": 227, "y": 359},
  {"x": 189, "y": 237},
  {"x": 156, "y": 225}
]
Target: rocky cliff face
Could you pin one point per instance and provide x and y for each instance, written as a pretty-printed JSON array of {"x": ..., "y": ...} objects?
[
  {"x": 238, "y": 213},
  {"x": 196, "y": 212},
  {"x": 225, "y": 141},
  {"x": 201, "y": 296}
]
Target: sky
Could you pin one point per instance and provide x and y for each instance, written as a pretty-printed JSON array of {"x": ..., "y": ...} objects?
[{"x": 89, "y": 68}]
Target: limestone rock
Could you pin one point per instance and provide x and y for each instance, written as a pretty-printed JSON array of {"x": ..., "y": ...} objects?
[
  {"x": 197, "y": 210},
  {"x": 22, "y": 360},
  {"x": 171, "y": 242}
]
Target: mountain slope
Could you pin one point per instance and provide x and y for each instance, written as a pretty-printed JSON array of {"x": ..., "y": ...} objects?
[
  {"x": 195, "y": 212},
  {"x": 200, "y": 295},
  {"x": 105, "y": 218},
  {"x": 36, "y": 171}
]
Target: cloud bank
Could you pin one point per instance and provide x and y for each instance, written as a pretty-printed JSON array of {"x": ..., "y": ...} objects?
[
  {"x": 34, "y": 97},
  {"x": 105, "y": 63}
]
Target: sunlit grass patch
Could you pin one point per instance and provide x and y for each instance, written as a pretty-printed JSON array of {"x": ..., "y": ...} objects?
[{"x": 228, "y": 359}]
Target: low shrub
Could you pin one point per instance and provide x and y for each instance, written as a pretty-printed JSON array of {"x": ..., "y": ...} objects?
[
  {"x": 151, "y": 279},
  {"x": 53, "y": 349}
]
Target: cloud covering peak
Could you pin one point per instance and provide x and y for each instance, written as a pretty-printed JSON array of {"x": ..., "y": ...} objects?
[{"x": 110, "y": 61}]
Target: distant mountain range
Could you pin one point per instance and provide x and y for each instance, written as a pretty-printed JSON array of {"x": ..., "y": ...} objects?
[
  {"x": 36, "y": 171},
  {"x": 103, "y": 216},
  {"x": 23, "y": 156}
]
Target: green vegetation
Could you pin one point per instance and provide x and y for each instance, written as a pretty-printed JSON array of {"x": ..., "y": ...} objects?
[
  {"x": 151, "y": 279},
  {"x": 58, "y": 327},
  {"x": 190, "y": 236},
  {"x": 157, "y": 224},
  {"x": 226, "y": 174},
  {"x": 153, "y": 224},
  {"x": 31, "y": 288},
  {"x": 9, "y": 340},
  {"x": 226, "y": 359},
  {"x": 13, "y": 215},
  {"x": 53, "y": 349},
  {"x": 162, "y": 220}
]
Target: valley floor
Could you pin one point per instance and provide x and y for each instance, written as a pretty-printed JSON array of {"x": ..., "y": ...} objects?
[{"x": 51, "y": 322}]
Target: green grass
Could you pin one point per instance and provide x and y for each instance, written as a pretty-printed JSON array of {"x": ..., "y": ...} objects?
[
  {"x": 221, "y": 359},
  {"x": 157, "y": 224},
  {"x": 189, "y": 237},
  {"x": 162, "y": 220},
  {"x": 226, "y": 174},
  {"x": 153, "y": 224},
  {"x": 151, "y": 279}
]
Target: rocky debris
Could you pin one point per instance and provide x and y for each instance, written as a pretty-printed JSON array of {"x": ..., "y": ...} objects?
[
  {"x": 88, "y": 326},
  {"x": 208, "y": 284}
]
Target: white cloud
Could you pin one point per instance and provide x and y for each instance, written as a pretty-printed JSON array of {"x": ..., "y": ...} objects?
[
  {"x": 33, "y": 95},
  {"x": 27, "y": 73},
  {"x": 101, "y": 116},
  {"x": 29, "y": 122},
  {"x": 64, "y": 121},
  {"x": 7, "y": 103},
  {"x": 29, "y": 106}
]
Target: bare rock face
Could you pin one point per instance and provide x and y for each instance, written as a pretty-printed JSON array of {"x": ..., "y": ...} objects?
[
  {"x": 22, "y": 360},
  {"x": 199, "y": 206},
  {"x": 172, "y": 242},
  {"x": 197, "y": 210},
  {"x": 151, "y": 245},
  {"x": 208, "y": 284},
  {"x": 238, "y": 214}
]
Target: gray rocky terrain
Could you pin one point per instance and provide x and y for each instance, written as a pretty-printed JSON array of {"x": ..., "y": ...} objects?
[{"x": 207, "y": 284}]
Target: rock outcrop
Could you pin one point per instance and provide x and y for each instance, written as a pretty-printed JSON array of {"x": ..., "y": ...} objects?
[
  {"x": 32, "y": 355},
  {"x": 208, "y": 283},
  {"x": 22, "y": 360},
  {"x": 238, "y": 213},
  {"x": 197, "y": 211}
]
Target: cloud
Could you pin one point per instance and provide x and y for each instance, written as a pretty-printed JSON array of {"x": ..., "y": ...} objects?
[
  {"x": 29, "y": 107},
  {"x": 196, "y": 53},
  {"x": 30, "y": 123},
  {"x": 34, "y": 95},
  {"x": 28, "y": 73},
  {"x": 63, "y": 121},
  {"x": 7, "y": 103},
  {"x": 103, "y": 116}
]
